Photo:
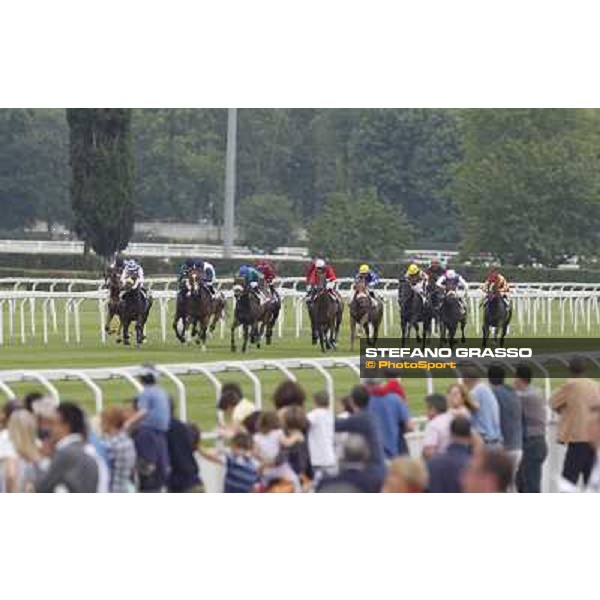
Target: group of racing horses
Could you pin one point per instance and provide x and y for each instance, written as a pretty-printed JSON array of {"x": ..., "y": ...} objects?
[{"x": 256, "y": 312}]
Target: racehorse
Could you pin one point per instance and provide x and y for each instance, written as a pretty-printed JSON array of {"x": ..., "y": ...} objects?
[
  {"x": 248, "y": 313},
  {"x": 195, "y": 309},
  {"x": 113, "y": 284},
  {"x": 451, "y": 314},
  {"x": 364, "y": 313},
  {"x": 496, "y": 315},
  {"x": 133, "y": 306},
  {"x": 413, "y": 310},
  {"x": 326, "y": 316},
  {"x": 436, "y": 297},
  {"x": 272, "y": 309}
]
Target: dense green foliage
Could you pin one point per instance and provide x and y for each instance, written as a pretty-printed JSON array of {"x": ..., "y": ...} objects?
[
  {"x": 34, "y": 171},
  {"x": 520, "y": 184},
  {"x": 529, "y": 184},
  {"x": 266, "y": 222},
  {"x": 359, "y": 227},
  {"x": 102, "y": 177}
]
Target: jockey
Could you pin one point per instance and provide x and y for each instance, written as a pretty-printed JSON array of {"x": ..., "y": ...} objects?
[
  {"x": 370, "y": 277},
  {"x": 435, "y": 270},
  {"x": 317, "y": 267},
  {"x": 209, "y": 277},
  {"x": 267, "y": 270},
  {"x": 117, "y": 263},
  {"x": 252, "y": 279},
  {"x": 452, "y": 281},
  {"x": 417, "y": 279},
  {"x": 132, "y": 268},
  {"x": 496, "y": 281}
]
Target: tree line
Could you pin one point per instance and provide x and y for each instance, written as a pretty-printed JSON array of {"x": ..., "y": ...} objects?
[{"x": 519, "y": 184}]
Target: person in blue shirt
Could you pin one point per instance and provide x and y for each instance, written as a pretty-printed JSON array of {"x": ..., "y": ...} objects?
[
  {"x": 153, "y": 410},
  {"x": 446, "y": 469},
  {"x": 486, "y": 421},
  {"x": 393, "y": 417}
]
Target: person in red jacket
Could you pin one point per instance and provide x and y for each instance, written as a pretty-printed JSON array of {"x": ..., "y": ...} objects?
[
  {"x": 316, "y": 268},
  {"x": 267, "y": 268}
]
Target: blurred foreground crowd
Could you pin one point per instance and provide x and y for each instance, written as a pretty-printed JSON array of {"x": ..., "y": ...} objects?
[{"x": 482, "y": 436}]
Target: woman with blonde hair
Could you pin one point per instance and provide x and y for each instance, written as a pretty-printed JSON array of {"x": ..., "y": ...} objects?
[
  {"x": 21, "y": 469},
  {"x": 460, "y": 400},
  {"x": 406, "y": 476}
]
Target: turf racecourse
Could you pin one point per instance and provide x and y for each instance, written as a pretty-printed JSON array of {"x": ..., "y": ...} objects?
[{"x": 92, "y": 353}]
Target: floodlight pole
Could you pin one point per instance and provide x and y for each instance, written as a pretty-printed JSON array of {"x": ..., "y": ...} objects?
[{"x": 229, "y": 216}]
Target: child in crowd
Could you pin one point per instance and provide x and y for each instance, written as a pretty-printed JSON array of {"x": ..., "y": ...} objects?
[
  {"x": 120, "y": 450},
  {"x": 296, "y": 427},
  {"x": 269, "y": 441},
  {"x": 241, "y": 468},
  {"x": 321, "y": 436}
]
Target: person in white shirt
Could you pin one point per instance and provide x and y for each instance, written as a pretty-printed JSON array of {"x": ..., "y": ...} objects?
[{"x": 321, "y": 436}]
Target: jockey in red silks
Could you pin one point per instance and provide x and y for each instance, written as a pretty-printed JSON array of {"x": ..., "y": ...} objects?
[
  {"x": 317, "y": 267},
  {"x": 269, "y": 274}
]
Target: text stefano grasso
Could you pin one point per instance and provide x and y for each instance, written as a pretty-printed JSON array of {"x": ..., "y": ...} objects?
[{"x": 446, "y": 353}]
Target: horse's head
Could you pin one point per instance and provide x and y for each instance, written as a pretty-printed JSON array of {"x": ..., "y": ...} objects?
[
  {"x": 361, "y": 286},
  {"x": 130, "y": 282},
  {"x": 194, "y": 280},
  {"x": 321, "y": 278},
  {"x": 237, "y": 290}
]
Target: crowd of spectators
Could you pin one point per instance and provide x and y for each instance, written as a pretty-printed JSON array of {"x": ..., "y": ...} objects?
[{"x": 481, "y": 436}]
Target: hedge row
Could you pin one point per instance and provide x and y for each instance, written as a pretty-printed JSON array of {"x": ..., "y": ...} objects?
[{"x": 57, "y": 265}]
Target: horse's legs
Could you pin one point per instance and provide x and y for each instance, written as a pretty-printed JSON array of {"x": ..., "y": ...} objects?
[
  {"x": 139, "y": 332},
  {"x": 245, "y": 344},
  {"x": 416, "y": 326},
  {"x": 352, "y": 332},
  {"x": 234, "y": 326},
  {"x": 485, "y": 330},
  {"x": 125, "y": 325},
  {"x": 463, "y": 338}
]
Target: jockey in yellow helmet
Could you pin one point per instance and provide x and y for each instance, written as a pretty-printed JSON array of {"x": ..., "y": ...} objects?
[
  {"x": 369, "y": 276},
  {"x": 417, "y": 278}
]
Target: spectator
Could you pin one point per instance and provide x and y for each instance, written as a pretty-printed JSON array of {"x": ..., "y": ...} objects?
[
  {"x": 347, "y": 406},
  {"x": 120, "y": 451},
  {"x": 355, "y": 474},
  {"x": 234, "y": 406},
  {"x": 436, "y": 437},
  {"x": 72, "y": 468},
  {"x": 20, "y": 469},
  {"x": 594, "y": 432},
  {"x": 7, "y": 449},
  {"x": 486, "y": 421},
  {"x": 296, "y": 427},
  {"x": 406, "y": 476},
  {"x": 489, "y": 472},
  {"x": 269, "y": 442},
  {"x": 535, "y": 448},
  {"x": 241, "y": 468},
  {"x": 460, "y": 400},
  {"x": 393, "y": 417},
  {"x": 393, "y": 385},
  {"x": 321, "y": 435},
  {"x": 364, "y": 423},
  {"x": 511, "y": 416},
  {"x": 184, "y": 475},
  {"x": 289, "y": 393},
  {"x": 573, "y": 401},
  {"x": 149, "y": 425},
  {"x": 446, "y": 470}
]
